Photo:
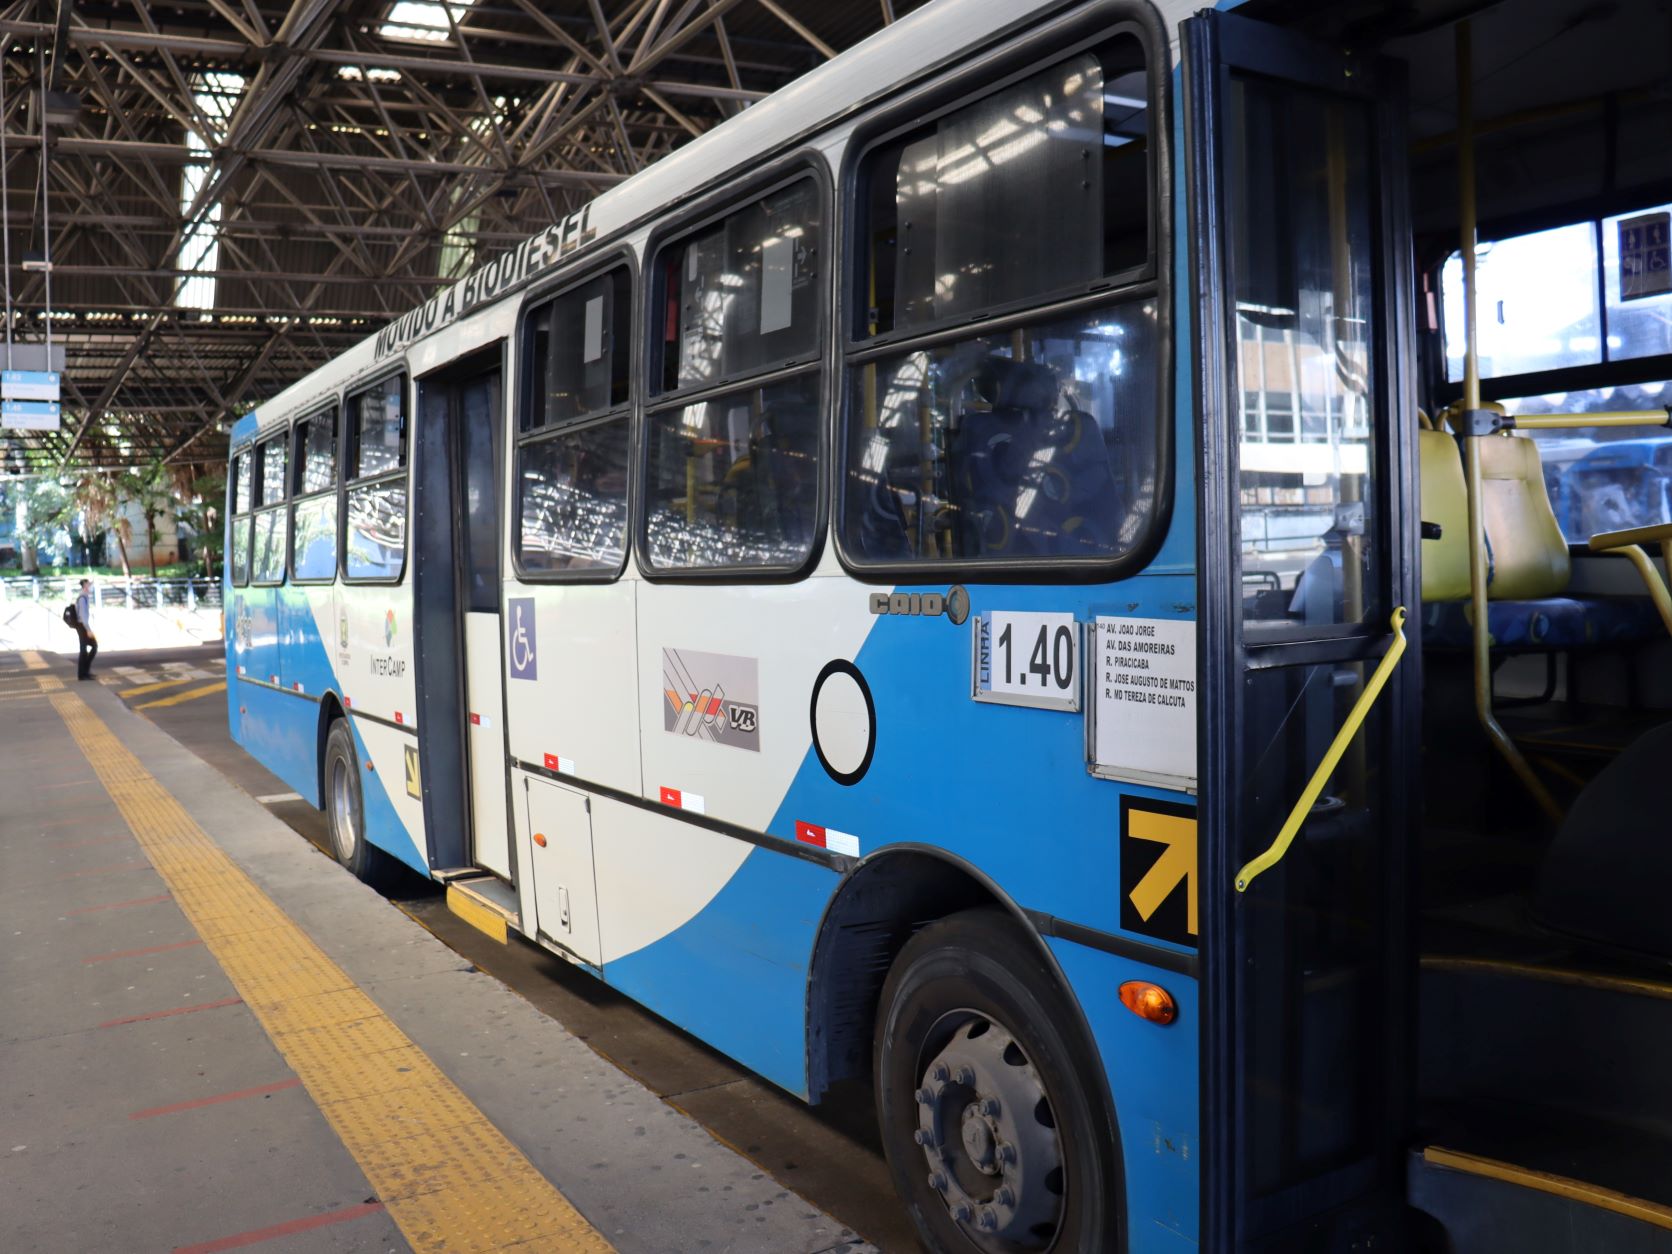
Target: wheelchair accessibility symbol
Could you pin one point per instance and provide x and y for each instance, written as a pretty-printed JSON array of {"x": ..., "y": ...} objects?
[{"x": 520, "y": 631}]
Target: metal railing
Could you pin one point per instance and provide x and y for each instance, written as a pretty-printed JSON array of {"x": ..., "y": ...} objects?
[{"x": 138, "y": 592}]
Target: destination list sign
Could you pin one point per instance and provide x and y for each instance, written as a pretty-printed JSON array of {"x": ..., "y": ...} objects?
[{"x": 1144, "y": 700}]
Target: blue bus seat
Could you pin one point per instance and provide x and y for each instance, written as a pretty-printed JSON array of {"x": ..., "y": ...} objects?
[
  {"x": 1528, "y": 566},
  {"x": 1606, "y": 874}
]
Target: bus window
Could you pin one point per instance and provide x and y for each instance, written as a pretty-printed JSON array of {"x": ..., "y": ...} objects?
[
  {"x": 732, "y": 478},
  {"x": 1036, "y": 439},
  {"x": 240, "y": 559},
  {"x": 375, "y": 523},
  {"x": 1041, "y": 187},
  {"x": 273, "y": 487},
  {"x": 243, "y": 497},
  {"x": 316, "y": 453},
  {"x": 572, "y": 465},
  {"x": 269, "y": 531},
  {"x": 742, "y": 294},
  {"x": 314, "y": 516},
  {"x": 243, "y": 483},
  {"x": 579, "y": 352},
  {"x": 377, "y": 429},
  {"x": 1037, "y": 442}
]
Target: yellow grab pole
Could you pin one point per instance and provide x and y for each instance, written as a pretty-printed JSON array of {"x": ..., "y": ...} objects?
[
  {"x": 1332, "y": 757},
  {"x": 1479, "y": 626}
]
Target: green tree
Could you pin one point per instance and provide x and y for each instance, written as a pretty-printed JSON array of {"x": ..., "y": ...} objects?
[
  {"x": 202, "y": 494},
  {"x": 151, "y": 488},
  {"x": 45, "y": 506},
  {"x": 97, "y": 495}
]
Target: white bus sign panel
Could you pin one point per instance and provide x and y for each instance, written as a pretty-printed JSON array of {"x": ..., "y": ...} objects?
[
  {"x": 29, "y": 415},
  {"x": 1027, "y": 658},
  {"x": 1144, "y": 701},
  {"x": 1645, "y": 256},
  {"x": 29, "y": 385}
]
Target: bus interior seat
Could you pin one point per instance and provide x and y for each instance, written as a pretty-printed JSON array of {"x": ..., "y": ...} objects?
[
  {"x": 1606, "y": 873},
  {"x": 1034, "y": 478},
  {"x": 1528, "y": 566}
]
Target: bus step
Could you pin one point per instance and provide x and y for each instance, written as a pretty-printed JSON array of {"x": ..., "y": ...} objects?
[
  {"x": 1489, "y": 1205},
  {"x": 487, "y": 903}
]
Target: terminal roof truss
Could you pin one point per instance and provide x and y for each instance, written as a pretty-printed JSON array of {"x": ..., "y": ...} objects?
[{"x": 238, "y": 190}]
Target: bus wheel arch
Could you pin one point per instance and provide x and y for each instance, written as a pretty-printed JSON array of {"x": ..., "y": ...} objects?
[{"x": 330, "y": 710}]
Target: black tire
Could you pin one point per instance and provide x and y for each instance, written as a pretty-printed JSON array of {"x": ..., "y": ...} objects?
[
  {"x": 345, "y": 812},
  {"x": 972, "y": 1024}
]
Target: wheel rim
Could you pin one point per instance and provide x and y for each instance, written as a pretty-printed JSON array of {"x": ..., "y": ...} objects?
[
  {"x": 989, "y": 1136},
  {"x": 342, "y": 810}
]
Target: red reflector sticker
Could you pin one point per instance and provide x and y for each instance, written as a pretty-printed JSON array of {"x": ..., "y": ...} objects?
[
  {"x": 399, "y": 717},
  {"x": 827, "y": 838},
  {"x": 297, "y": 685},
  {"x": 679, "y": 799},
  {"x": 475, "y": 720},
  {"x": 348, "y": 702},
  {"x": 670, "y": 797},
  {"x": 565, "y": 766}
]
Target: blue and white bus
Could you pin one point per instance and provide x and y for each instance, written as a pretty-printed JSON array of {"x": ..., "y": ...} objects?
[{"x": 912, "y": 586}]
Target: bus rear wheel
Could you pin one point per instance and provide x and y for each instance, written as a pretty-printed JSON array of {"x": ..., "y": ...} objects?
[
  {"x": 346, "y": 813},
  {"x": 996, "y": 1139}
]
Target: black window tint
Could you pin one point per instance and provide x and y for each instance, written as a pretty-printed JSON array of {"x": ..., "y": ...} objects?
[
  {"x": 240, "y": 556},
  {"x": 273, "y": 486},
  {"x": 243, "y": 491},
  {"x": 1036, "y": 442},
  {"x": 572, "y": 499},
  {"x": 316, "y": 452},
  {"x": 315, "y": 531},
  {"x": 377, "y": 429},
  {"x": 743, "y": 293},
  {"x": 1041, "y": 187},
  {"x": 734, "y": 481},
  {"x": 376, "y": 531},
  {"x": 579, "y": 350},
  {"x": 267, "y": 556}
]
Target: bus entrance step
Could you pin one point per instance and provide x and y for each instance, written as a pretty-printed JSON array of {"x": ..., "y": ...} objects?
[
  {"x": 1493, "y": 1206},
  {"x": 487, "y": 903}
]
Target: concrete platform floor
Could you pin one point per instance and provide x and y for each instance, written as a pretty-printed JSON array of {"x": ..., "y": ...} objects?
[{"x": 150, "y": 1107}]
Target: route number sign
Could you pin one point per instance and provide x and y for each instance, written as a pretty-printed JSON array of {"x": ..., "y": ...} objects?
[{"x": 1025, "y": 658}]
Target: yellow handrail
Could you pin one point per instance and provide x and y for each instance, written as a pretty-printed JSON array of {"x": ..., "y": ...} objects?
[{"x": 1355, "y": 719}]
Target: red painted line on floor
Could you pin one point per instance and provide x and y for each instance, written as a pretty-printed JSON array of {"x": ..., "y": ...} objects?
[
  {"x": 103, "y": 840},
  {"x": 118, "y": 905},
  {"x": 216, "y": 1100},
  {"x": 140, "y": 953},
  {"x": 178, "y": 1010},
  {"x": 257, "y": 1235},
  {"x": 105, "y": 870}
]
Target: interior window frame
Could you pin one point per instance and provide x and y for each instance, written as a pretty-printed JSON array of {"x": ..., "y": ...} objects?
[
  {"x": 1152, "y": 280},
  {"x": 298, "y": 497},
  {"x": 627, "y": 411},
  {"x": 736, "y": 195},
  {"x": 402, "y": 474}
]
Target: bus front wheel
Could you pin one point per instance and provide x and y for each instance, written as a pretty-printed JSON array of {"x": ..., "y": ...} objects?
[
  {"x": 996, "y": 1138},
  {"x": 346, "y": 813}
]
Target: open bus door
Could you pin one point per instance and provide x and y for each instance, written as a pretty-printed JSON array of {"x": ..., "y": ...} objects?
[{"x": 1301, "y": 247}]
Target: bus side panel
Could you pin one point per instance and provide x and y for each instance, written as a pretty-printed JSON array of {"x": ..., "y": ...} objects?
[
  {"x": 736, "y": 973},
  {"x": 393, "y": 817},
  {"x": 1152, "y": 1072},
  {"x": 304, "y": 665}
]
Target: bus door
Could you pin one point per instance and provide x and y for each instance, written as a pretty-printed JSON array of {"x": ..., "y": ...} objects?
[
  {"x": 1301, "y": 251},
  {"x": 457, "y": 593}
]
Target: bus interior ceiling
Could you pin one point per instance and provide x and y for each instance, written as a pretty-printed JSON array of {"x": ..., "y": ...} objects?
[{"x": 1572, "y": 114}]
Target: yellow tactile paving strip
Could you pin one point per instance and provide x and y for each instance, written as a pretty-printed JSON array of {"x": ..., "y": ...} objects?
[{"x": 449, "y": 1178}]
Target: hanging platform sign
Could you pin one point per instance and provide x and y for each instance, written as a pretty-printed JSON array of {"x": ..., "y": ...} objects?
[
  {"x": 29, "y": 385},
  {"x": 29, "y": 415}
]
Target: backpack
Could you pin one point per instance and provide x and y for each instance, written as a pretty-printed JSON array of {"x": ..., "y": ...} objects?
[{"x": 71, "y": 618}]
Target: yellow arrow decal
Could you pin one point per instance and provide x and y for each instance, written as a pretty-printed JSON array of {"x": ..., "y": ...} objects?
[{"x": 1177, "y": 862}]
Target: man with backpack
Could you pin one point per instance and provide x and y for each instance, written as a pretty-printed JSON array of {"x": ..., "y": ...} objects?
[{"x": 84, "y": 628}]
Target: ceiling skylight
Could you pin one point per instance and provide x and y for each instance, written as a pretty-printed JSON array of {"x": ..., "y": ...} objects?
[{"x": 423, "y": 21}]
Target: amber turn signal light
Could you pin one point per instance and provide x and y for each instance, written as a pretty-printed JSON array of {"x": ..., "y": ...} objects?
[
  {"x": 540, "y": 839},
  {"x": 1149, "y": 1001}
]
